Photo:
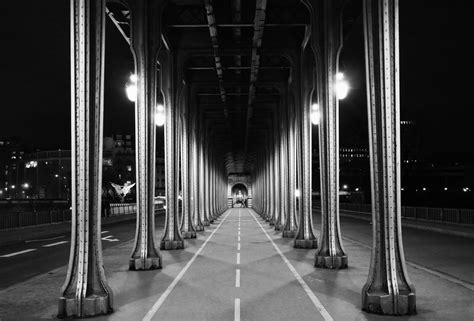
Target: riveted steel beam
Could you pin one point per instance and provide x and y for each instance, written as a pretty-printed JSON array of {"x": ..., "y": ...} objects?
[
  {"x": 211, "y": 20},
  {"x": 85, "y": 292},
  {"x": 388, "y": 289}
]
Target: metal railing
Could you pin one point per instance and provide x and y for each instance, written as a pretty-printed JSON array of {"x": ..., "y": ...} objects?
[
  {"x": 435, "y": 214},
  {"x": 13, "y": 220}
]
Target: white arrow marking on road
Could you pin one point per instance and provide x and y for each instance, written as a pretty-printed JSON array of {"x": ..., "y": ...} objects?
[
  {"x": 108, "y": 238},
  {"x": 18, "y": 253}
]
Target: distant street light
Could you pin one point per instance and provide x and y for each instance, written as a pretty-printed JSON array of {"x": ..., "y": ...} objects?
[
  {"x": 25, "y": 185},
  {"x": 315, "y": 114},
  {"x": 345, "y": 186},
  {"x": 160, "y": 115},
  {"x": 131, "y": 88},
  {"x": 342, "y": 86}
]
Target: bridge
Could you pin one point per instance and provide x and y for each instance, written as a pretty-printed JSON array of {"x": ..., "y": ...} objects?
[{"x": 240, "y": 87}]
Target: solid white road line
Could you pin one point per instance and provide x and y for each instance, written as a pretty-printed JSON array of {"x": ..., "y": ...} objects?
[
  {"x": 238, "y": 258},
  {"x": 237, "y": 310},
  {"x": 54, "y": 244},
  {"x": 439, "y": 274},
  {"x": 18, "y": 253},
  {"x": 237, "y": 278},
  {"x": 319, "y": 306},
  {"x": 170, "y": 288},
  {"x": 103, "y": 232},
  {"x": 238, "y": 246}
]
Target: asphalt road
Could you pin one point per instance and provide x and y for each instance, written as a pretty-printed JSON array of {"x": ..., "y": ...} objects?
[{"x": 22, "y": 261}]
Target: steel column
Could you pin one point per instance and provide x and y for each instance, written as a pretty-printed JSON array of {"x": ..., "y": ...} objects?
[
  {"x": 85, "y": 292},
  {"x": 305, "y": 236},
  {"x": 291, "y": 226},
  {"x": 196, "y": 209},
  {"x": 327, "y": 45},
  {"x": 144, "y": 256},
  {"x": 187, "y": 226},
  {"x": 172, "y": 239},
  {"x": 388, "y": 289}
]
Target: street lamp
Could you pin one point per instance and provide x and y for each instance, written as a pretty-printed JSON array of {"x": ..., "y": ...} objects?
[
  {"x": 160, "y": 115},
  {"x": 342, "y": 86},
  {"x": 297, "y": 193},
  {"x": 315, "y": 114},
  {"x": 131, "y": 88}
]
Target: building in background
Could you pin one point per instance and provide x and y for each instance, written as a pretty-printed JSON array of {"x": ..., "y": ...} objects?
[
  {"x": 47, "y": 174},
  {"x": 11, "y": 155}
]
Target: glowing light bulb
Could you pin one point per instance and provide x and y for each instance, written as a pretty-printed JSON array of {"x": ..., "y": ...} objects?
[
  {"x": 315, "y": 114},
  {"x": 131, "y": 88},
  {"x": 160, "y": 115},
  {"x": 342, "y": 86}
]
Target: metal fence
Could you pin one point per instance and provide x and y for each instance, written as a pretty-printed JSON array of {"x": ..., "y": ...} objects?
[
  {"x": 447, "y": 215},
  {"x": 21, "y": 219}
]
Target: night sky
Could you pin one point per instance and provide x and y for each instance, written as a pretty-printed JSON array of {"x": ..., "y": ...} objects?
[{"x": 436, "y": 76}]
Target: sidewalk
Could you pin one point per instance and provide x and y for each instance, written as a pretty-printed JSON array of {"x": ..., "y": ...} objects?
[{"x": 19, "y": 235}]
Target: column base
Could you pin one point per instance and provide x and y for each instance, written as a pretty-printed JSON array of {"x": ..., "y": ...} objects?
[
  {"x": 199, "y": 228},
  {"x": 149, "y": 263},
  {"x": 306, "y": 244},
  {"x": 93, "y": 305},
  {"x": 271, "y": 222},
  {"x": 188, "y": 235},
  {"x": 289, "y": 233},
  {"x": 206, "y": 223},
  {"x": 172, "y": 245},
  {"x": 278, "y": 227},
  {"x": 331, "y": 262},
  {"x": 383, "y": 303}
]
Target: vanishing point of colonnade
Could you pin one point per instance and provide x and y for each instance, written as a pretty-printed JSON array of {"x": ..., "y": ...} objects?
[{"x": 282, "y": 164}]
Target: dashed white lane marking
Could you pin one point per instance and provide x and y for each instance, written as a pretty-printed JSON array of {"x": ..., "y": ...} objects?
[
  {"x": 425, "y": 269},
  {"x": 238, "y": 238},
  {"x": 237, "y": 278},
  {"x": 238, "y": 246},
  {"x": 238, "y": 258},
  {"x": 170, "y": 288},
  {"x": 237, "y": 310},
  {"x": 239, "y": 232},
  {"x": 18, "y": 253},
  {"x": 319, "y": 306},
  {"x": 54, "y": 244},
  {"x": 103, "y": 232}
]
